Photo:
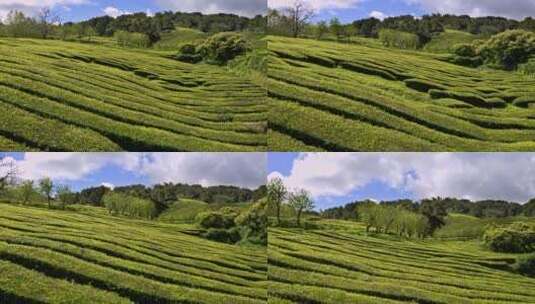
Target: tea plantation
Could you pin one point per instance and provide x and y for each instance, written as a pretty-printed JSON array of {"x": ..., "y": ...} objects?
[
  {"x": 69, "y": 96},
  {"x": 360, "y": 97},
  {"x": 344, "y": 265},
  {"x": 87, "y": 256}
]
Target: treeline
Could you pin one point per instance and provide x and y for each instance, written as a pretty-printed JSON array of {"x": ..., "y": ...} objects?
[
  {"x": 48, "y": 24},
  {"x": 481, "y": 209},
  {"x": 296, "y": 21},
  {"x": 165, "y": 194}
]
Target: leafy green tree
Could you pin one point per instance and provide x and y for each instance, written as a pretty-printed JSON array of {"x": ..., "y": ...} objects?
[
  {"x": 300, "y": 201},
  {"x": 321, "y": 29},
  {"x": 276, "y": 194},
  {"x": 508, "y": 49},
  {"x": 64, "y": 194},
  {"x": 46, "y": 187},
  {"x": 27, "y": 190}
]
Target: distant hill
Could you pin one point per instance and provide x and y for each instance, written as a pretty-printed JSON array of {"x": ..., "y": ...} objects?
[{"x": 444, "y": 42}]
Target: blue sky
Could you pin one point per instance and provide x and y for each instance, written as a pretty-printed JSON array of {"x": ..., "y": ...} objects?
[
  {"x": 335, "y": 179},
  {"x": 82, "y": 170},
  {"x": 350, "y": 10},
  {"x": 76, "y": 10}
]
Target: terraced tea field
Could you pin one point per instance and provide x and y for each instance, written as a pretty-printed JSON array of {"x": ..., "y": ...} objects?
[
  {"x": 89, "y": 257},
  {"x": 349, "y": 97},
  {"x": 337, "y": 266},
  {"x": 67, "y": 96}
]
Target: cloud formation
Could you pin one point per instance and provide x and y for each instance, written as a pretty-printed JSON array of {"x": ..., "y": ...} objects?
[
  {"x": 317, "y": 5},
  {"x": 246, "y": 170},
  {"x": 115, "y": 12},
  {"x": 517, "y": 9},
  {"x": 474, "y": 176},
  {"x": 239, "y": 7},
  {"x": 378, "y": 15},
  {"x": 31, "y": 7}
]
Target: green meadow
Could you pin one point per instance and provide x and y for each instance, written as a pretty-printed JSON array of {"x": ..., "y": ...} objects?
[
  {"x": 338, "y": 262},
  {"x": 95, "y": 96},
  {"x": 84, "y": 255},
  {"x": 360, "y": 96}
]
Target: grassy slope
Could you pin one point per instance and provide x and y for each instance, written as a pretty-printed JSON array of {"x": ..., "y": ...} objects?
[
  {"x": 172, "y": 41},
  {"x": 357, "y": 98},
  {"x": 465, "y": 226},
  {"x": 90, "y": 257},
  {"x": 89, "y": 97},
  {"x": 339, "y": 265},
  {"x": 444, "y": 42}
]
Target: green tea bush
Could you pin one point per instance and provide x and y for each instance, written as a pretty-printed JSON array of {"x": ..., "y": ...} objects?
[
  {"x": 518, "y": 237},
  {"x": 222, "y": 47},
  {"x": 253, "y": 223},
  {"x": 526, "y": 265},
  {"x": 527, "y": 68},
  {"x": 133, "y": 40},
  {"x": 508, "y": 49},
  {"x": 188, "y": 53},
  {"x": 223, "y": 219},
  {"x": 524, "y": 101},
  {"x": 230, "y": 236},
  {"x": 465, "y": 50},
  {"x": 398, "y": 39}
]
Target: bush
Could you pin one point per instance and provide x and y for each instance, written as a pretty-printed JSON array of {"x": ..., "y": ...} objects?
[
  {"x": 253, "y": 223},
  {"x": 524, "y": 101},
  {"x": 508, "y": 49},
  {"x": 398, "y": 39},
  {"x": 230, "y": 236},
  {"x": 133, "y": 40},
  {"x": 465, "y": 50},
  {"x": 518, "y": 237},
  {"x": 527, "y": 68},
  {"x": 216, "y": 220},
  {"x": 188, "y": 49},
  {"x": 223, "y": 47},
  {"x": 526, "y": 265}
]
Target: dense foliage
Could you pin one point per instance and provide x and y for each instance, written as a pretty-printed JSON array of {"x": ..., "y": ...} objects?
[
  {"x": 133, "y": 40},
  {"x": 392, "y": 219},
  {"x": 223, "y": 47},
  {"x": 525, "y": 265},
  {"x": 518, "y": 237},
  {"x": 121, "y": 204},
  {"x": 508, "y": 49},
  {"x": 398, "y": 39}
]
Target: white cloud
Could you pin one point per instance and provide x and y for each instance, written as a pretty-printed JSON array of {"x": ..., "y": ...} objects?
[
  {"x": 317, "y": 5},
  {"x": 108, "y": 185},
  {"x": 517, "y": 9},
  {"x": 379, "y": 15},
  {"x": 240, "y": 169},
  {"x": 474, "y": 176},
  {"x": 115, "y": 12},
  {"x": 31, "y": 7},
  {"x": 239, "y": 7}
]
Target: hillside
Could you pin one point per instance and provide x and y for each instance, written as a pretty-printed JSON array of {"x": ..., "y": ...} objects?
[
  {"x": 86, "y": 256},
  {"x": 346, "y": 266},
  {"x": 351, "y": 97},
  {"x": 445, "y": 41},
  {"x": 68, "y": 96},
  {"x": 185, "y": 210}
]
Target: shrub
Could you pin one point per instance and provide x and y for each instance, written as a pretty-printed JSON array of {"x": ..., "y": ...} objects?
[
  {"x": 465, "y": 50},
  {"x": 189, "y": 49},
  {"x": 398, "y": 39},
  {"x": 526, "y": 265},
  {"x": 518, "y": 237},
  {"x": 217, "y": 220},
  {"x": 133, "y": 40},
  {"x": 223, "y": 47},
  {"x": 527, "y": 68},
  {"x": 508, "y": 49},
  {"x": 524, "y": 101},
  {"x": 253, "y": 223},
  {"x": 230, "y": 236}
]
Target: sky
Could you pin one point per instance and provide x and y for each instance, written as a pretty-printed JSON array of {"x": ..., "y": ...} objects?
[
  {"x": 77, "y": 10},
  {"x": 335, "y": 179},
  {"x": 82, "y": 170},
  {"x": 350, "y": 10}
]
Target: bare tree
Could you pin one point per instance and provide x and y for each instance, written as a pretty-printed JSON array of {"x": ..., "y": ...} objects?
[
  {"x": 299, "y": 13},
  {"x": 47, "y": 19},
  {"x": 8, "y": 172}
]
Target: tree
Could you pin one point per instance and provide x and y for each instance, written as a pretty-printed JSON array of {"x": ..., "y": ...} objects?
[
  {"x": 336, "y": 27},
  {"x": 46, "y": 187},
  {"x": 64, "y": 194},
  {"x": 300, "y": 201},
  {"x": 434, "y": 211},
  {"x": 46, "y": 19},
  {"x": 26, "y": 191},
  {"x": 321, "y": 29},
  {"x": 276, "y": 194},
  {"x": 299, "y": 14},
  {"x": 8, "y": 172}
]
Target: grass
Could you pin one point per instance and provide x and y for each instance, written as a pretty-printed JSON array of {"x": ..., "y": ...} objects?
[
  {"x": 87, "y": 256},
  {"x": 68, "y": 96},
  {"x": 337, "y": 264},
  {"x": 173, "y": 40},
  {"x": 185, "y": 210},
  {"x": 445, "y": 41},
  {"x": 378, "y": 99}
]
